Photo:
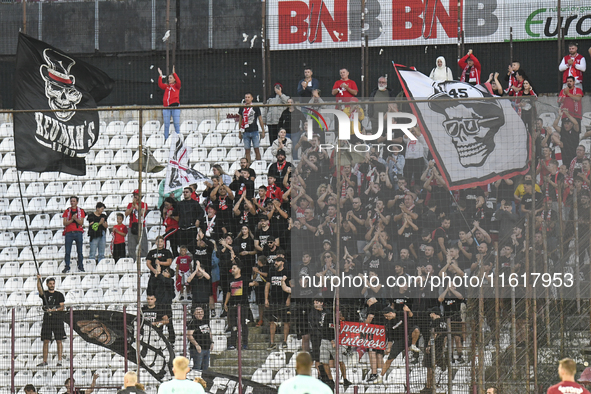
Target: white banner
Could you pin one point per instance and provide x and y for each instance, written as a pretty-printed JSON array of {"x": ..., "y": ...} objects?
[
  {"x": 315, "y": 24},
  {"x": 178, "y": 172},
  {"x": 473, "y": 141}
]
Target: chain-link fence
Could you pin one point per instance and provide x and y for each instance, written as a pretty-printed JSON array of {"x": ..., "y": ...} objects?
[
  {"x": 217, "y": 46},
  {"x": 272, "y": 238}
]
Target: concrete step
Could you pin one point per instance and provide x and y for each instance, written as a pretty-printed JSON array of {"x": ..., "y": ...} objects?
[{"x": 247, "y": 371}]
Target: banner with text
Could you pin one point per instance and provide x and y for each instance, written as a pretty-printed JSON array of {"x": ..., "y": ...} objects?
[
  {"x": 315, "y": 24},
  {"x": 363, "y": 335}
]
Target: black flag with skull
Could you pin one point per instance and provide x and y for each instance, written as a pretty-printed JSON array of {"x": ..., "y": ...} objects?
[{"x": 56, "y": 135}]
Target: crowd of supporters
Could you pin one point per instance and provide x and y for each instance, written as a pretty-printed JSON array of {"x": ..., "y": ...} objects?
[{"x": 382, "y": 213}]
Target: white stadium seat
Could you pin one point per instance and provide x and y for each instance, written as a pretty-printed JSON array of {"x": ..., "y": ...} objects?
[
  {"x": 189, "y": 126},
  {"x": 43, "y": 237},
  {"x": 118, "y": 142},
  {"x": 212, "y": 140},
  {"x": 205, "y": 126},
  {"x": 35, "y": 189},
  {"x": 114, "y": 128},
  {"x": 40, "y": 222}
]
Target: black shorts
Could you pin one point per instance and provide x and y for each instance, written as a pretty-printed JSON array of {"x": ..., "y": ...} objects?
[
  {"x": 278, "y": 313},
  {"x": 378, "y": 351},
  {"x": 398, "y": 347},
  {"x": 53, "y": 327}
]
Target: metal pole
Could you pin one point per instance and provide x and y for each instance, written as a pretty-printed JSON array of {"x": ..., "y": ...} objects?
[
  {"x": 561, "y": 248},
  {"x": 12, "y": 350},
  {"x": 535, "y": 339},
  {"x": 337, "y": 306},
  {"x": 406, "y": 364},
  {"x": 153, "y": 25},
  {"x": 184, "y": 330},
  {"x": 497, "y": 322},
  {"x": 481, "y": 334},
  {"x": 25, "y": 16},
  {"x": 96, "y": 25},
  {"x": 459, "y": 44},
  {"x": 366, "y": 82},
  {"x": 167, "y": 41},
  {"x": 138, "y": 255},
  {"x": 432, "y": 345},
  {"x": 239, "y": 311},
  {"x": 547, "y": 305},
  {"x": 40, "y": 22},
  {"x": 577, "y": 271},
  {"x": 558, "y": 38},
  {"x": 72, "y": 349},
  {"x": 125, "y": 337},
  {"x": 450, "y": 358},
  {"x": 513, "y": 331},
  {"x": 511, "y": 43},
  {"x": 527, "y": 294},
  {"x": 362, "y": 49},
  {"x": 263, "y": 52}
]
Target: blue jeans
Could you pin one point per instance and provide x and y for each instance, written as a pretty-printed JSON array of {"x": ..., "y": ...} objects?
[
  {"x": 200, "y": 360},
  {"x": 71, "y": 237},
  {"x": 295, "y": 138},
  {"x": 100, "y": 244},
  {"x": 176, "y": 119},
  {"x": 251, "y": 138}
]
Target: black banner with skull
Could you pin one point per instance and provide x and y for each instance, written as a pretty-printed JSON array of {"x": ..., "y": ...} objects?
[
  {"x": 475, "y": 138},
  {"x": 106, "y": 329},
  {"x": 48, "y": 79}
]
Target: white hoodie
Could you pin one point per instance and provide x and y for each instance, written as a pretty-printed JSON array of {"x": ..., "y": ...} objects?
[{"x": 442, "y": 73}]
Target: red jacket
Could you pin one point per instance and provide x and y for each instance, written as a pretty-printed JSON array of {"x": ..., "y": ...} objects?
[
  {"x": 474, "y": 77},
  {"x": 171, "y": 92}
]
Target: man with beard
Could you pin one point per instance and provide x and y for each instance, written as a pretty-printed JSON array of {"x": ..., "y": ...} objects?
[
  {"x": 279, "y": 168},
  {"x": 52, "y": 326},
  {"x": 237, "y": 294},
  {"x": 277, "y": 301},
  {"x": 189, "y": 215}
]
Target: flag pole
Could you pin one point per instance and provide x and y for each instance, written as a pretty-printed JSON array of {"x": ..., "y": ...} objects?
[{"x": 138, "y": 254}]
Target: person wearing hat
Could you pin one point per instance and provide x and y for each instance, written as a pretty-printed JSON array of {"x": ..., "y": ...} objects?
[
  {"x": 470, "y": 69},
  {"x": 272, "y": 114},
  {"x": 133, "y": 211},
  {"x": 283, "y": 143},
  {"x": 280, "y": 168}
]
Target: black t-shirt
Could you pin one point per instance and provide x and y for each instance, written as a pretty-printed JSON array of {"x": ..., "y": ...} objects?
[
  {"x": 203, "y": 254},
  {"x": 451, "y": 306},
  {"x": 201, "y": 333},
  {"x": 463, "y": 262},
  {"x": 100, "y": 229},
  {"x": 470, "y": 196},
  {"x": 152, "y": 315},
  {"x": 276, "y": 293},
  {"x": 200, "y": 290},
  {"x": 253, "y": 118},
  {"x": 321, "y": 324},
  {"x": 400, "y": 300},
  {"x": 238, "y": 291},
  {"x": 53, "y": 299},
  {"x": 375, "y": 263},
  {"x": 262, "y": 235},
  {"x": 158, "y": 255},
  {"x": 376, "y": 310},
  {"x": 394, "y": 328},
  {"x": 527, "y": 200},
  {"x": 440, "y": 232},
  {"x": 245, "y": 245}
]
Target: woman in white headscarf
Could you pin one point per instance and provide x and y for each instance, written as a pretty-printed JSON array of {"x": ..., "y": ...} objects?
[{"x": 441, "y": 73}]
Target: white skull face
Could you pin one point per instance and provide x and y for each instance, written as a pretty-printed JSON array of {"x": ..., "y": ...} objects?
[
  {"x": 472, "y": 133},
  {"x": 62, "y": 97}
]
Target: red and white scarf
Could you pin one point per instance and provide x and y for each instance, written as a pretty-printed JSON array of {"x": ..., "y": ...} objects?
[
  {"x": 247, "y": 118},
  {"x": 78, "y": 214}
]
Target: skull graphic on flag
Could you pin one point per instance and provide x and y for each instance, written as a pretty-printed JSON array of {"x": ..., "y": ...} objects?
[
  {"x": 179, "y": 172},
  {"x": 60, "y": 85}
]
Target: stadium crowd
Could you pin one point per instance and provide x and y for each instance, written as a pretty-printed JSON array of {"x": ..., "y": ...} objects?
[{"x": 397, "y": 218}]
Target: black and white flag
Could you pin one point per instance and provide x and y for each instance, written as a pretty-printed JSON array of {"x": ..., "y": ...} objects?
[
  {"x": 474, "y": 138},
  {"x": 49, "y": 79},
  {"x": 106, "y": 329},
  {"x": 178, "y": 172}
]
